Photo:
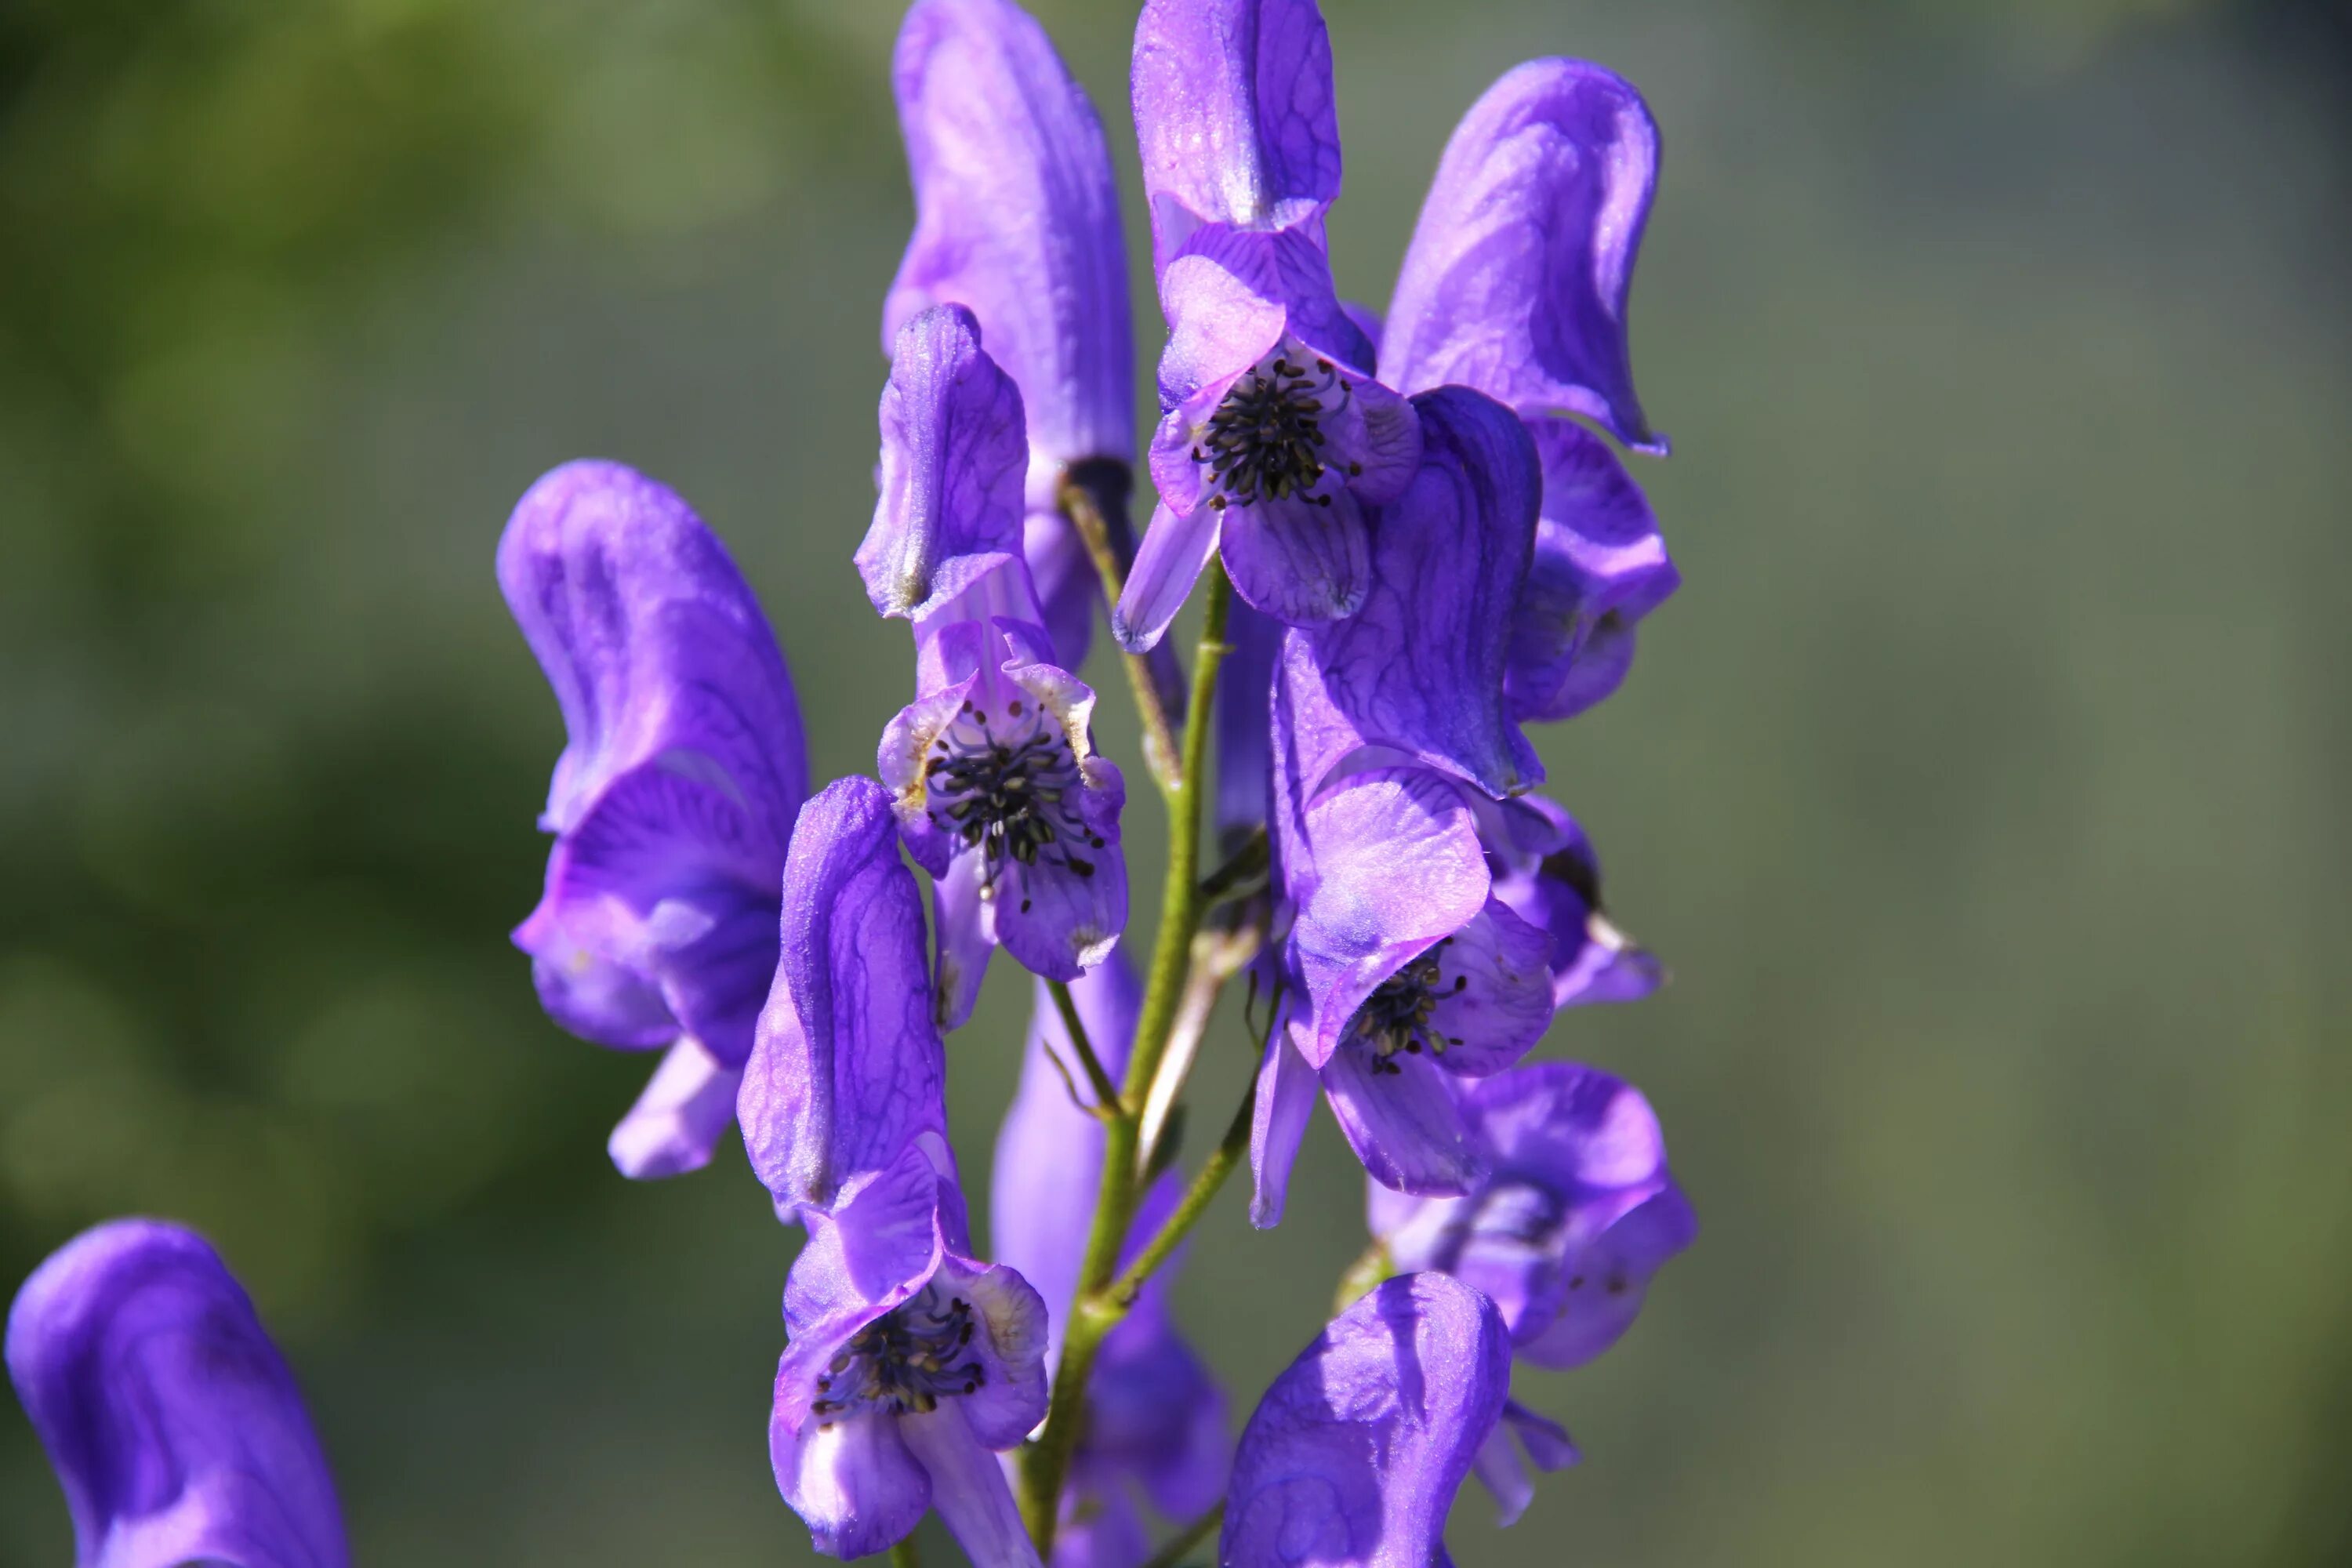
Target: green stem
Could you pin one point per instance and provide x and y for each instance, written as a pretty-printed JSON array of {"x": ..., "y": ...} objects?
[
  {"x": 1195, "y": 1201},
  {"x": 904, "y": 1555},
  {"x": 1189, "y": 1537},
  {"x": 1092, "y": 1312},
  {"x": 1106, "y": 1092},
  {"x": 1093, "y": 496}
]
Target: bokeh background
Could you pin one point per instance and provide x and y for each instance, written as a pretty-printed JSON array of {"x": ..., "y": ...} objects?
[{"x": 1984, "y": 787}]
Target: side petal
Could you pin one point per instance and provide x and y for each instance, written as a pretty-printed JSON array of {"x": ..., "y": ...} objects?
[
  {"x": 1517, "y": 278},
  {"x": 855, "y": 1483},
  {"x": 969, "y": 1489},
  {"x": 1285, "y": 1099},
  {"x": 1016, "y": 217},
  {"x": 955, "y": 459},
  {"x": 1500, "y": 1469},
  {"x": 174, "y": 1424},
  {"x": 1419, "y": 669},
  {"x": 686, "y": 1109},
  {"x": 1356, "y": 1451},
  {"x": 1234, "y": 114},
  {"x": 1174, "y": 550},
  {"x": 848, "y": 1070},
  {"x": 963, "y": 933},
  {"x": 1403, "y": 1123}
]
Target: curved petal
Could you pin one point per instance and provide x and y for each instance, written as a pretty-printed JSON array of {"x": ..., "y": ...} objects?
[
  {"x": 969, "y": 1487},
  {"x": 1498, "y": 998},
  {"x": 1419, "y": 669},
  {"x": 1502, "y": 1471},
  {"x": 1402, "y": 1121},
  {"x": 1608, "y": 1281},
  {"x": 955, "y": 461},
  {"x": 1356, "y": 1451},
  {"x": 1016, "y": 217},
  {"x": 1302, "y": 564},
  {"x": 963, "y": 932},
  {"x": 175, "y": 1425},
  {"x": 687, "y": 1106},
  {"x": 1220, "y": 323},
  {"x": 1011, "y": 1399},
  {"x": 848, "y": 1068},
  {"x": 856, "y": 1483},
  {"x": 1517, "y": 278},
  {"x": 1279, "y": 1116},
  {"x": 1234, "y": 114},
  {"x": 1067, "y": 586},
  {"x": 1244, "y": 716},
  {"x": 1174, "y": 550}
]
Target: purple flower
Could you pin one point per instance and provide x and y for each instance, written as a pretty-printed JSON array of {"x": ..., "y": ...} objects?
[
  {"x": 1154, "y": 1417},
  {"x": 1000, "y": 796},
  {"x": 175, "y": 1425},
  {"x": 1546, "y": 870},
  {"x": 673, "y": 799},
  {"x": 1576, "y": 1213},
  {"x": 1016, "y": 218},
  {"x": 1517, "y": 276},
  {"x": 1354, "y": 1454},
  {"x": 848, "y": 1070},
  {"x": 1273, "y": 435},
  {"x": 909, "y": 1366}
]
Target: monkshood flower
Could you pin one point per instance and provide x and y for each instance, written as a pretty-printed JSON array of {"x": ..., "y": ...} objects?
[
  {"x": 1155, "y": 1418},
  {"x": 1273, "y": 436},
  {"x": 1354, "y": 1454},
  {"x": 1546, "y": 870},
  {"x": 909, "y": 1366},
  {"x": 174, "y": 1424},
  {"x": 848, "y": 1070},
  {"x": 1016, "y": 218},
  {"x": 1577, "y": 1211},
  {"x": 673, "y": 801},
  {"x": 1516, "y": 284}
]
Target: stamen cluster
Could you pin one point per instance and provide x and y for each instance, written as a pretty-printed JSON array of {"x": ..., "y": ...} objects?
[
  {"x": 1395, "y": 1017},
  {"x": 1265, "y": 441},
  {"x": 903, "y": 1362},
  {"x": 1012, "y": 792}
]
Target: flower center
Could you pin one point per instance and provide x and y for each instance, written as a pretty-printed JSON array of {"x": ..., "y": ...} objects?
[
  {"x": 1265, "y": 440},
  {"x": 1011, "y": 789},
  {"x": 903, "y": 1362},
  {"x": 1395, "y": 1017}
]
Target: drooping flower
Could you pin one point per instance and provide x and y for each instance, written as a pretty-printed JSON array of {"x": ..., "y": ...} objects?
[
  {"x": 848, "y": 1070},
  {"x": 1273, "y": 435},
  {"x": 1016, "y": 218},
  {"x": 1576, "y": 1212},
  {"x": 1354, "y": 1454},
  {"x": 172, "y": 1420},
  {"x": 1516, "y": 284},
  {"x": 1155, "y": 1418},
  {"x": 673, "y": 802},
  {"x": 909, "y": 1365}
]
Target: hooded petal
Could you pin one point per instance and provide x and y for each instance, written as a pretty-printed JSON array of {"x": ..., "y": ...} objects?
[
  {"x": 687, "y": 1106},
  {"x": 1235, "y": 116},
  {"x": 1174, "y": 550},
  {"x": 848, "y": 1067},
  {"x": 1517, "y": 278},
  {"x": 684, "y": 768},
  {"x": 1419, "y": 669},
  {"x": 175, "y": 1425},
  {"x": 1016, "y": 218},
  {"x": 1355, "y": 1453},
  {"x": 955, "y": 459},
  {"x": 1600, "y": 565}
]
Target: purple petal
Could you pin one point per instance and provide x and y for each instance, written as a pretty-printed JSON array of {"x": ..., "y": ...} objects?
[
  {"x": 1017, "y": 220},
  {"x": 1600, "y": 565},
  {"x": 856, "y": 1483},
  {"x": 1301, "y": 563},
  {"x": 1550, "y": 877},
  {"x": 685, "y": 765},
  {"x": 175, "y": 1425},
  {"x": 955, "y": 460},
  {"x": 1495, "y": 1000},
  {"x": 1609, "y": 1279},
  {"x": 1243, "y": 715},
  {"x": 1234, "y": 113},
  {"x": 1500, "y": 1469},
  {"x": 1100, "y": 1528},
  {"x": 1419, "y": 669},
  {"x": 1010, "y": 1347},
  {"x": 885, "y": 1235},
  {"x": 963, "y": 929},
  {"x": 969, "y": 1489},
  {"x": 1067, "y": 586},
  {"x": 1517, "y": 278},
  {"x": 1285, "y": 1099},
  {"x": 1356, "y": 1451},
  {"x": 1402, "y": 1121},
  {"x": 1231, "y": 298},
  {"x": 1174, "y": 550},
  {"x": 848, "y": 1067},
  {"x": 687, "y": 1106}
]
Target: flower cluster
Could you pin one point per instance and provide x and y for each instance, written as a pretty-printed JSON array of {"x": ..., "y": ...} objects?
[{"x": 1409, "y": 541}]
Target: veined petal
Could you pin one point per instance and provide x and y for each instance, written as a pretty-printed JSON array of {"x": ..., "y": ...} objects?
[
  {"x": 1278, "y": 1117},
  {"x": 848, "y": 1067},
  {"x": 1420, "y": 668},
  {"x": 1174, "y": 550},
  {"x": 1017, "y": 220},
  {"x": 175, "y": 1429},
  {"x": 1402, "y": 1121},
  {"x": 687, "y": 1106},
  {"x": 1517, "y": 278},
  {"x": 1302, "y": 564},
  {"x": 1356, "y": 1451},
  {"x": 955, "y": 460},
  {"x": 1235, "y": 115}
]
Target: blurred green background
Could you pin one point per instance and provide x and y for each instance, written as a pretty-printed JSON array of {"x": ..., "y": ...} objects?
[{"x": 1985, "y": 787}]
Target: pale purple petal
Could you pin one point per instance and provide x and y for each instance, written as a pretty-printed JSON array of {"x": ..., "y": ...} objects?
[
  {"x": 1232, "y": 294},
  {"x": 1175, "y": 550},
  {"x": 963, "y": 930},
  {"x": 174, "y": 1427},
  {"x": 1419, "y": 669},
  {"x": 1355, "y": 1453},
  {"x": 1500, "y": 1467},
  {"x": 1011, "y": 1349},
  {"x": 955, "y": 460},
  {"x": 1016, "y": 217},
  {"x": 1609, "y": 1279},
  {"x": 1286, "y": 1100},
  {"x": 1068, "y": 588},
  {"x": 1234, "y": 112},
  {"x": 1517, "y": 278},
  {"x": 855, "y": 1483},
  {"x": 687, "y": 1106},
  {"x": 1402, "y": 1121},
  {"x": 969, "y": 1489},
  {"x": 848, "y": 1066}
]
